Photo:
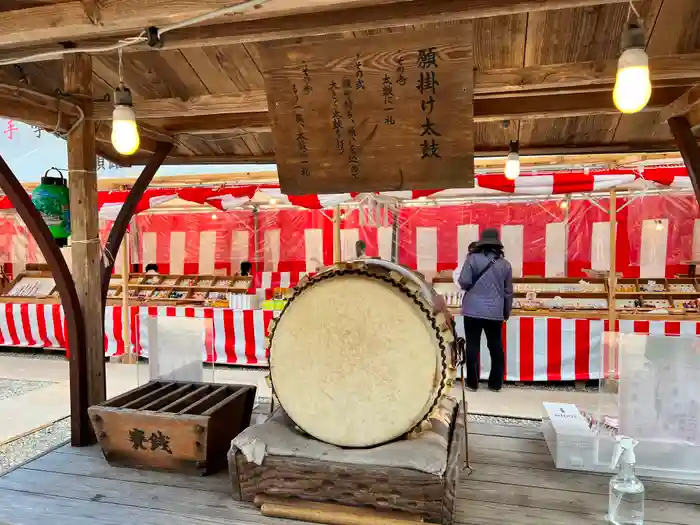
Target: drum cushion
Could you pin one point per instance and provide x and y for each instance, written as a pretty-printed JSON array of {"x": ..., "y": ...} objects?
[{"x": 355, "y": 362}]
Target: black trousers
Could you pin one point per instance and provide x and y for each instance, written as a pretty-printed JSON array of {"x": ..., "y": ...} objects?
[{"x": 494, "y": 339}]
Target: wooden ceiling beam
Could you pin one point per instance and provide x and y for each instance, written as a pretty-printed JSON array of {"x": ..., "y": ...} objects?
[
  {"x": 575, "y": 150},
  {"x": 269, "y": 158},
  {"x": 212, "y": 114},
  {"x": 248, "y": 102},
  {"x": 555, "y": 105},
  {"x": 577, "y": 74},
  {"x": 69, "y": 21},
  {"x": 75, "y": 19},
  {"x": 256, "y": 122}
]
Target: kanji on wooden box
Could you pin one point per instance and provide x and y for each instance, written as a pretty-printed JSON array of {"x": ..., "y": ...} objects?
[{"x": 171, "y": 425}]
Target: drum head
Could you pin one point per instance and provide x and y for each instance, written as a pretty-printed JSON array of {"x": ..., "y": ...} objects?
[{"x": 355, "y": 362}]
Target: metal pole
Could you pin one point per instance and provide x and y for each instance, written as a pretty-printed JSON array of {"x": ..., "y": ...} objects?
[
  {"x": 395, "y": 237},
  {"x": 256, "y": 252},
  {"x": 567, "y": 211},
  {"x": 612, "y": 289},
  {"x": 125, "y": 298},
  {"x": 336, "y": 235}
]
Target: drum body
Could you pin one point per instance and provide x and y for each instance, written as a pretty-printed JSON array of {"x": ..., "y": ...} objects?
[{"x": 362, "y": 353}]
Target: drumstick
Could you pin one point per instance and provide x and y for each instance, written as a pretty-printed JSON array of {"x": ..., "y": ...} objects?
[{"x": 332, "y": 514}]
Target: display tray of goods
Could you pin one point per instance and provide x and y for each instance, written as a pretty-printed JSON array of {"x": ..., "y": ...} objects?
[
  {"x": 533, "y": 294},
  {"x": 195, "y": 290},
  {"x": 31, "y": 285},
  {"x": 39, "y": 286},
  {"x": 590, "y": 296},
  {"x": 173, "y": 425}
]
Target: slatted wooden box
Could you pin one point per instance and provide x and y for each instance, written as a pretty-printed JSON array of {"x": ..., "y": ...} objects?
[
  {"x": 429, "y": 497},
  {"x": 174, "y": 426}
]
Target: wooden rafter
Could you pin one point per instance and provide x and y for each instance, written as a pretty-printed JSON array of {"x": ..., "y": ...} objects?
[
  {"x": 197, "y": 112},
  {"x": 539, "y": 151},
  {"x": 552, "y": 104},
  {"x": 577, "y": 74},
  {"x": 234, "y": 123},
  {"x": 248, "y": 102},
  {"x": 69, "y": 22}
]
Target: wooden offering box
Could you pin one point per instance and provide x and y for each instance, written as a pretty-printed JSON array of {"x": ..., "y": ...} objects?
[{"x": 171, "y": 425}]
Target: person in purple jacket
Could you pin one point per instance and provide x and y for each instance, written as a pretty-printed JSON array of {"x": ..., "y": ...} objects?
[{"x": 487, "y": 280}]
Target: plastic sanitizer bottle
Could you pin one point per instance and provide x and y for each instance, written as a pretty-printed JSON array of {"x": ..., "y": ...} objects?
[{"x": 626, "y": 504}]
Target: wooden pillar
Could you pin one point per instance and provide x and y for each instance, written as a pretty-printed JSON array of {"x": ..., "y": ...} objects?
[
  {"x": 336, "y": 235},
  {"x": 690, "y": 151},
  {"x": 85, "y": 241}
]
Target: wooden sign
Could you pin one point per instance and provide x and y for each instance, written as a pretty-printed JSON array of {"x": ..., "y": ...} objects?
[{"x": 378, "y": 113}]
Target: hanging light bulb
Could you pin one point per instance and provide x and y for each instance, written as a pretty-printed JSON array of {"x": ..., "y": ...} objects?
[
  {"x": 125, "y": 132},
  {"x": 659, "y": 225},
  {"x": 513, "y": 161},
  {"x": 213, "y": 216},
  {"x": 564, "y": 204},
  {"x": 633, "y": 82}
]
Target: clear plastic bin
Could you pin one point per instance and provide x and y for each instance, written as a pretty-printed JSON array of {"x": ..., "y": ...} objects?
[{"x": 650, "y": 391}]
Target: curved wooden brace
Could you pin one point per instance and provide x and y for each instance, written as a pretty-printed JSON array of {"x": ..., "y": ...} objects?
[
  {"x": 80, "y": 423},
  {"x": 690, "y": 151},
  {"x": 116, "y": 234}
]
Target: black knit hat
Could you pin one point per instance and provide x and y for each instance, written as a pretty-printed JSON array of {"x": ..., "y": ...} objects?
[{"x": 489, "y": 237}]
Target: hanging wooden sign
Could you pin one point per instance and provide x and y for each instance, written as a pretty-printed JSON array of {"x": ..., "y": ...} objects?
[{"x": 376, "y": 113}]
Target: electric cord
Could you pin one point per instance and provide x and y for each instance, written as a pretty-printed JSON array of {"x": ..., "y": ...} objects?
[{"x": 142, "y": 37}]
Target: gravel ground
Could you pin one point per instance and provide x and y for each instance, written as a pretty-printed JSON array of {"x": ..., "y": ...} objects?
[
  {"x": 497, "y": 420},
  {"x": 590, "y": 386},
  {"x": 17, "y": 387},
  {"x": 16, "y": 452},
  {"x": 28, "y": 353}
]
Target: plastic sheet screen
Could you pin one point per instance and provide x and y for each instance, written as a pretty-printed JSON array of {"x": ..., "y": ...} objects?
[{"x": 656, "y": 237}]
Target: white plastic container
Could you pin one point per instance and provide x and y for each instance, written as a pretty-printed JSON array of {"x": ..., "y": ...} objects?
[{"x": 651, "y": 387}]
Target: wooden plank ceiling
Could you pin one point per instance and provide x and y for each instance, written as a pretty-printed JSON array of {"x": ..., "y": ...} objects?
[{"x": 216, "y": 90}]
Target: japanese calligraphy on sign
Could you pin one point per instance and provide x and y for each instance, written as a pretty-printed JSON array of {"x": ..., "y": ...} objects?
[
  {"x": 155, "y": 441},
  {"x": 386, "y": 112}
]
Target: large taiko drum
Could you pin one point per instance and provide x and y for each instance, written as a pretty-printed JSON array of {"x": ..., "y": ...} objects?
[{"x": 362, "y": 353}]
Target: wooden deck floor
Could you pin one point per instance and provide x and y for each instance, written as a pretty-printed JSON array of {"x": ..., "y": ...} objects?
[{"x": 514, "y": 482}]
